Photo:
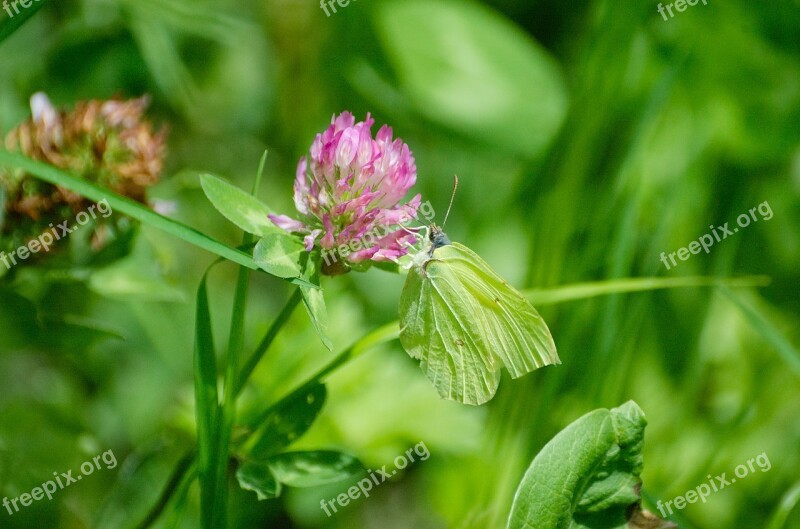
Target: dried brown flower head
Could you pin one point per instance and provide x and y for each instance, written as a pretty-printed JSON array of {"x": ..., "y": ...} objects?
[{"x": 107, "y": 142}]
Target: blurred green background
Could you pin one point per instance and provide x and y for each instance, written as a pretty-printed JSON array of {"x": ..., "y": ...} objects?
[{"x": 588, "y": 138}]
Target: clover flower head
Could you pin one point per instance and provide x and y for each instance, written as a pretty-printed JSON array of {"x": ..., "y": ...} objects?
[
  {"x": 107, "y": 142},
  {"x": 349, "y": 192}
]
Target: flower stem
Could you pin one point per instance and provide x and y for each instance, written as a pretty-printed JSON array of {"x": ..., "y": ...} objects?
[
  {"x": 227, "y": 408},
  {"x": 381, "y": 335},
  {"x": 262, "y": 348},
  {"x": 186, "y": 466}
]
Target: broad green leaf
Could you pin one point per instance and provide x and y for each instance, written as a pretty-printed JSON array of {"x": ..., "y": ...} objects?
[
  {"x": 239, "y": 207},
  {"x": 206, "y": 400},
  {"x": 482, "y": 75},
  {"x": 280, "y": 254},
  {"x": 314, "y": 300},
  {"x": 287, "y": 421},
  {"x": 587, "y": 476},
  {"x": 8, "y": 25},
  {"x": 259, "y": 478},
  {"x": 310, "y": 469},
  {"x": 125, "y": 205}
]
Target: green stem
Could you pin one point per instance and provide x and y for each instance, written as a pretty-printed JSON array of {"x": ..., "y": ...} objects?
[
  {"x": 184, "y": 466},
  {"x": 176, "y": 516},
  {"x": 227, "y": 409},
  {"x": 381, "y": 335},
  {"x": 262, "y": 348}
]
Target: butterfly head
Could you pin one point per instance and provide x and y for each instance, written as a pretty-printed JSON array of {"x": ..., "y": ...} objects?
[{"x": 437, "y": 237}]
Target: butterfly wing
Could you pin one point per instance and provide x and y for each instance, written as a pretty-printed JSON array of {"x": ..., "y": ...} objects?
[{"x": 464, "y": 323}]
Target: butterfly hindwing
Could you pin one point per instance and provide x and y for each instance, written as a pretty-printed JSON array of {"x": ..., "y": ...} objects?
[{"x": 464, "y": 323}]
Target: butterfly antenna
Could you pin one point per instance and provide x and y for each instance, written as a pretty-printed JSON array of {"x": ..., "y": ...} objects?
[{"x": 452, "y": 197}]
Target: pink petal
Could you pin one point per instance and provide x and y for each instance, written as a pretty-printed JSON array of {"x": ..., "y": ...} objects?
[
  {"x": 310, "y": 239},
  {"x": 327, "y": 240},
  {"x": 347, "y": 148},
  {"x": 287, "y": 223}
]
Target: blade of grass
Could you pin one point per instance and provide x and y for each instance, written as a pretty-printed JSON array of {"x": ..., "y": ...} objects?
[
  {"x": 785, "y": 507},
  {"x": 552, "y": 296},
  {"x": 206, "y": 402},
  {"x": 785, "y": 349},
  {"x": 122, "y": 204}
]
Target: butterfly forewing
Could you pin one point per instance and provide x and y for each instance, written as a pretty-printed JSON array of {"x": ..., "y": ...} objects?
[
  {"x": 436, "y": 334},
  {"x": 464, "y": 323}
]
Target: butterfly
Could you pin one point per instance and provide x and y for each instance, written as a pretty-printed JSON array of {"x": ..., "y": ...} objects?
[{"x": 464, "y": 322}]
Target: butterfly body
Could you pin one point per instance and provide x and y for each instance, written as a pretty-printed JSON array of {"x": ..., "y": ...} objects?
[{"x": 464, "y": 322}]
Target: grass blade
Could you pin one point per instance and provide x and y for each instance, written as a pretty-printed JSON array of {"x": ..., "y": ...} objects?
[
  {"x": 125, "y": 205},
  {"x": 552, "y": 296},
  {"x": 785, "y": 349},
  {"x": 206, "y": 403},
  {"x": 786, "y": 506}
]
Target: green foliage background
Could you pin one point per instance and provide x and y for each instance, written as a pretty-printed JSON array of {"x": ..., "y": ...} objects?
[{"x": 588, "y": 138}]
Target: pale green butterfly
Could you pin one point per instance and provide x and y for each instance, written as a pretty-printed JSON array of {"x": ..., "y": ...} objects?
[{"x": 464, "y": 322}]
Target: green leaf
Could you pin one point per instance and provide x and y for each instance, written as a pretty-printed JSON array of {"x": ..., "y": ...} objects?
[
  {"x": 587, "y": 476},
  {"x": 280, "y": 254},
  {"x": 125, "y": 205},
  {"x": 314, "y": 300},
  {"x": 287, "y": 421},
  {"x": 314, "y": 468},
  {"x": 239, "y": 207},
  {"x": 8, "y": 25},
  {"x": 206, "y": 400},
  {"x": 259, "y": 478},
  {"x": 483, "y": 76}
]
